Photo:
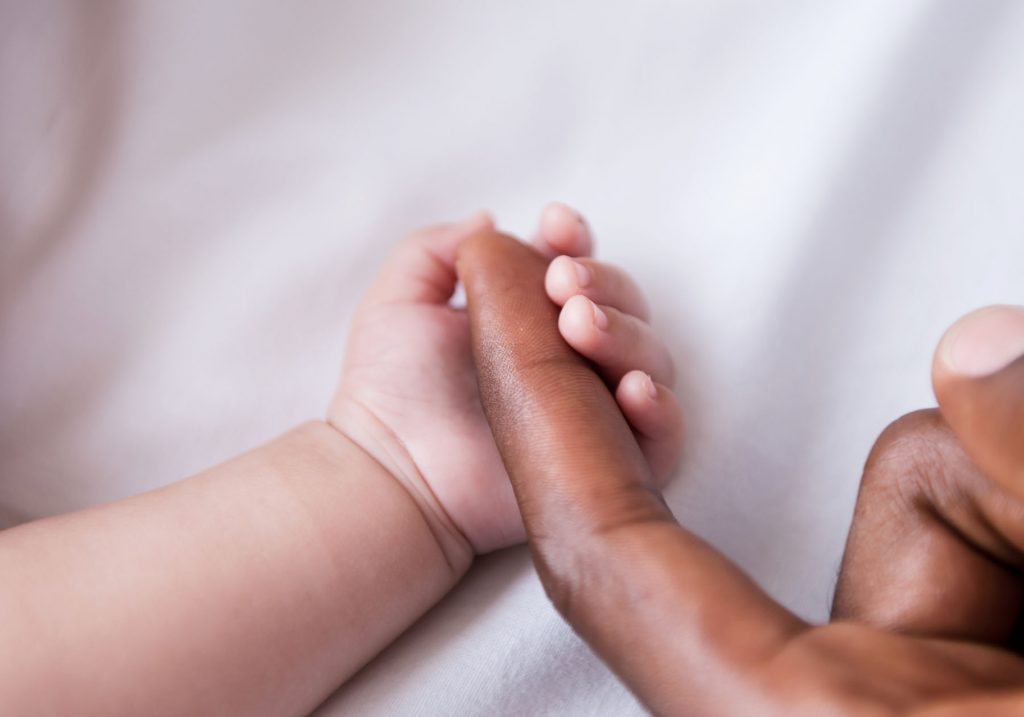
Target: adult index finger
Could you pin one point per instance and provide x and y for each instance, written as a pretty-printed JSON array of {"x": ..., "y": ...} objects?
[{"x": 679, "y": 623}]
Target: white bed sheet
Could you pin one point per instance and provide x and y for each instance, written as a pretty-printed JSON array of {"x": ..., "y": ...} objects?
[{"x": 193, "y": 196}]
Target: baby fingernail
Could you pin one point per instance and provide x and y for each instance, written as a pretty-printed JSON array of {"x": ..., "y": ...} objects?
[
  {"x": 652, "y": 390},
  {"x": 582, "y": 274},
  {"x": 985, "y": 341},
  {"x": 600, "y": 318}
]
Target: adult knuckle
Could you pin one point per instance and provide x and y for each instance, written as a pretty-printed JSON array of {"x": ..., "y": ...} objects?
[{"x": 908, "y": 458}]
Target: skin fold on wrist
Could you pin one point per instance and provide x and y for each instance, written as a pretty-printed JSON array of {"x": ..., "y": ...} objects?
[{"x": 359, "y": 426}]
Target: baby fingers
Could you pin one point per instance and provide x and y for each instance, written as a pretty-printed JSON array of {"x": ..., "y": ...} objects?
[
  {"x": 562, "y": 230},
  {"x": 615, "y": 341},
  {"x": 602, "y": 283},
  {"x": 656, "y": 419}
]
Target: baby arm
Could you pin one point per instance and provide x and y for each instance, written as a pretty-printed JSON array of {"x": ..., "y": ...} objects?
[
  {"x": 248, "y": 589},
  {"x": 259, "y": 585}
]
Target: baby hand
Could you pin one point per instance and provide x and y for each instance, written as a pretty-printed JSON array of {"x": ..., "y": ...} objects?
[{"x": 409, "y": 396}]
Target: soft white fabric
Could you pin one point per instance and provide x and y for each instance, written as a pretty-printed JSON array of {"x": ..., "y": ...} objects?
[{"x": 193, "y": 195}]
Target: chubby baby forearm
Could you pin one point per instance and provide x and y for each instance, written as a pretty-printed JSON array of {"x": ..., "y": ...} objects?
[{"x": 255, "y": 587}]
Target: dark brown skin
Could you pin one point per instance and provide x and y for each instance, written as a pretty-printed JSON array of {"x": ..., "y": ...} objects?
[{"x": 929, "y": 593}]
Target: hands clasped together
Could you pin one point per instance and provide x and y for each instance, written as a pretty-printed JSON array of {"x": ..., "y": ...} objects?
[
  {"x": 929, "y": 594},
  {"x": 543, "y": 410}
]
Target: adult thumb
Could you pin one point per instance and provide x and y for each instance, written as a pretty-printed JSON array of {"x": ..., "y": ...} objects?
[{"x": 978, "y": 376}]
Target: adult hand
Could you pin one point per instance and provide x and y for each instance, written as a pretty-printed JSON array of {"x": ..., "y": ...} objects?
[{"x": 929, "y": 594}]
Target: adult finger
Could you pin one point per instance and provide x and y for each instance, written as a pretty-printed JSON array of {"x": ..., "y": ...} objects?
[
  {"x": 978, "y": 375},
  {"x": 996, "y": 704},
  {"x": 925, "y": 554},
  {"x": 678, "y": 622}
]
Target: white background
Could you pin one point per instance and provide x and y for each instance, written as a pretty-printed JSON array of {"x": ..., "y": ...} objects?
[{"x": 193, "y": 196}]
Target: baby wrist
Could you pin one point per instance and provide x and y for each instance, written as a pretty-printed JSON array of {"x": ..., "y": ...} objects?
[{"x": 387, "y": 452}]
